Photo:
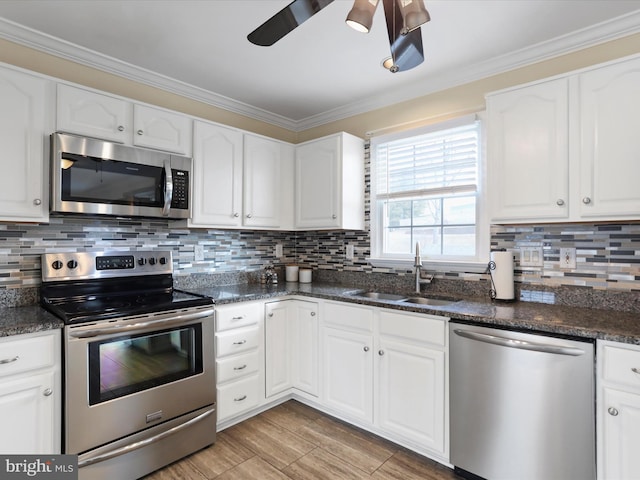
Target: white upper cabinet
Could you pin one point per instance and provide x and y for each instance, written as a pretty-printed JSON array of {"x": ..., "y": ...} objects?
[
  {"x": 217, "y": 176},
  {"x": 329, "y": 183},
  {"x": 92, "y": 114},
  {"x": 566, "y": 149},
  {"x": 240, "y": 179},
  {"x": 25, "y": 125},
  {"x": 529, "y": 152},
  {"x": 610, "y": 142}
]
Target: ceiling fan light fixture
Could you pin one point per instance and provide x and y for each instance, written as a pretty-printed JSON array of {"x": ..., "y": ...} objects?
[
  {"x": 414, "y": 14},
  {"x": 360, "y": 18}
]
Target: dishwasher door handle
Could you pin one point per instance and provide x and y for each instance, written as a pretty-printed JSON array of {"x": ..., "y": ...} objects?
[{"x": 520, "y": 344}]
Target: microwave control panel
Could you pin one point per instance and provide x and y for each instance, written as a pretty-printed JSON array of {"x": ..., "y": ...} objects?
[{"x": 180, "y": 197}]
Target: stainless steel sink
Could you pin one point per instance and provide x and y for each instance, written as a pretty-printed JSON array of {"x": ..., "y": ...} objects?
[
  {"x": 436, "y": 302},
  {"x": 380, "y": 296}
]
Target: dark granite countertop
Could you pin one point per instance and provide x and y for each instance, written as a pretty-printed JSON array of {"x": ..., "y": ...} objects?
[{"x": 561, "y": 320}]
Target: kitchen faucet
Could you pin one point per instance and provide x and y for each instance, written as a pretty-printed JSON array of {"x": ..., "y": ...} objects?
[{"x": 421, "y": 278}]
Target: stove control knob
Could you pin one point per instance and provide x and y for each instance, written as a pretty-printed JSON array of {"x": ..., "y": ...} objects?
[
  {"x": 72, "y": 264},
  {"x": 163, "y": 260},
  {"x": 57, "y": 265},
  {"x": 142, "y": 261},
  {"x": 152, "y": 261}
]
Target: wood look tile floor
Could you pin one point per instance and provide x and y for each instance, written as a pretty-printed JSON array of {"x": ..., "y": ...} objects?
[{"x": 294, "y": 441}]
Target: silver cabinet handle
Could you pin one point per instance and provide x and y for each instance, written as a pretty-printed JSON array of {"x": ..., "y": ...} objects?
[
  {"x": 120, "y": 128},
  {"x": 240, "y": 368},
  {"x": 236, "y": 215},
  {"x": 586, "y": 200},
  {"x": 313, "y": 314},
  {"x": 271, "y": 314},
  {"x": 334, "y": 216},
  {"x": 560, "y": 202},
  {"x": 238, "y": 318},
  {"x": 241, "y": 342},
  {"x": 248, "y": 215},
  {"x": 381, "y": 352},
  {"x": 47, "y": 392},
  {"x": 613, "y": 411},
  {"x": 366, "y": 349},
  {"x": 520, "y": 344},
  {"x": 9, "y": 360},
  {"x": 239, "y": 399},
  {"x": 37, "y": 201},
  {"x": 140, "y": 132},
  {"x": 636, "y": 370}
]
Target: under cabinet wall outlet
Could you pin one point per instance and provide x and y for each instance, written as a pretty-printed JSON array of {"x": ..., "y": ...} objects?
[
  {"x": 349, "y": 253},
  {"x": 198, "y": 250},
  {"x": 567, "y": 258},
  {"x": 279, "y": 250},
  {"x": 531, "y": 257}
]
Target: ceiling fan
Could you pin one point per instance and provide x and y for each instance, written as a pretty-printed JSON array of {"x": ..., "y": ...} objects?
[{"x": 403, "y": 18}]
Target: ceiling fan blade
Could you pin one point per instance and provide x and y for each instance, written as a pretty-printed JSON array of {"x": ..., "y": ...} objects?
[
  {"x": 406, "y": 50},
  {"x": 285, "y": 21}
]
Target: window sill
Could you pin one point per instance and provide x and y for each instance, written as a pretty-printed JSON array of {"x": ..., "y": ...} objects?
[{"x": 430, "y": 265}]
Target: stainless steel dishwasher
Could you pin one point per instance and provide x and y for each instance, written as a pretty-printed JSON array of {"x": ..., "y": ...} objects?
[{"x": 522, "y": 405}]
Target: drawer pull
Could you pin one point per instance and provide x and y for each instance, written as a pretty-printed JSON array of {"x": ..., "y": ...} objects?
[
  {"x": 240, "y": 368},
  {"x": 47, "y": 392},
  {"x": 244, "y": 397},
  {"x": 613, "y": 411},
  {"x": 241, "y": 342},
  {"x": 313, "y": 314},
  {"x": 9, "y": 360},
  {"x": 238, "y": 318},
  {"x": 366, "y": 349},
  {"x": 636, "y": 370}
]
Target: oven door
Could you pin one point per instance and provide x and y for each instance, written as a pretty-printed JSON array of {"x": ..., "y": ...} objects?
[
  {"x": 127, "y": 375},
  {"x": 96, "y": 177}
]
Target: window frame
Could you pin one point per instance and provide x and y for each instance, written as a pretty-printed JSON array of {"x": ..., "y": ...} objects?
[{"x": 442, "y": 263}]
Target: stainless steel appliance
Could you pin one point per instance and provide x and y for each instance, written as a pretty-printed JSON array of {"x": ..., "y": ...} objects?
[
  {"x": 96, "y": 177},
  {"x": 522, "y": 405},
  {"x": 140, "y": 387}
]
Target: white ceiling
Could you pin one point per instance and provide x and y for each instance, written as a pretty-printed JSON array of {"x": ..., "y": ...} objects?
[{"x": 320, "y": 72}]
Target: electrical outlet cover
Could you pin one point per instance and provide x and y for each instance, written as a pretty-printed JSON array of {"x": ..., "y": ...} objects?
[{"x": 567, "y": 258}]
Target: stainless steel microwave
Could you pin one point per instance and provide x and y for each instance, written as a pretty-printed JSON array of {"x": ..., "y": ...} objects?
[{"x": 101, "y": 178}]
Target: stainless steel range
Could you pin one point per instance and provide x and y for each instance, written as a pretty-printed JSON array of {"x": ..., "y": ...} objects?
[{"x": 140, "y": 389}]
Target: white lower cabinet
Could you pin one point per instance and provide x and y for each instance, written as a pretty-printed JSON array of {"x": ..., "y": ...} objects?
[
  {"x": 618, "y": 411},
  {"x": 387, "y": 370},
  {"x": 239, "y": 358},
  {"x": 291, "y": 347},
  {"x": 30, "y": 394}
]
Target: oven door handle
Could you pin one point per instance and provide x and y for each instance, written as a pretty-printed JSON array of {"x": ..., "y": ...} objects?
[
  {"x": 137, "y": 326},
  {"x": 143, "y": 443},
  {"x": 168, "y": 188}
]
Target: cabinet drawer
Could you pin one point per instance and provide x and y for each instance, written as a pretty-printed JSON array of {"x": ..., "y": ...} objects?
[
  {"x": 235, "y": 316},
  {"x": 237, "y": 397},
  {"x": 19, "y": 354},
  {"x": 351, "y": 317},
  {"x": 237, "y": 366},
  {"x": 421, "y": 328},
  {"x": 618, "y": 364},
  {"x": 237, "y": 341}
]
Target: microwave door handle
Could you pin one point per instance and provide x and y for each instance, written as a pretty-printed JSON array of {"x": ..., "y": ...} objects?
[{"x": 168, "y": 188}]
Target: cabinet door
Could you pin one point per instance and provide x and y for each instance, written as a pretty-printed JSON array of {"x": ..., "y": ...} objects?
[
  {"x": 620, "y": 435},
  {"x": 262, "y": 190},
  {"x": 317, "y": 184},
  {"x": 411, "y": 393},
  {"x": 528, "y": 153},
  {"x": 27, "y": 414},
  {"x": 610, "y": 141},
  {"x": 24, "y": 131},
  {"x": 348, "y": 373},
  {"x": 277, "y": 347},
  {"x": 217, "y": 176},
  {"x": 167, "y": 131},
  {"x": 304, "y": 347},
  {"x": 87, "y": 113}
]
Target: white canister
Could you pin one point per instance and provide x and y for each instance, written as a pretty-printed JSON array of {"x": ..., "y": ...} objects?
[
  {"x": 305, "y": 275},
  {"x": 291, "y": 273},
  {"x": 502, "y": 275}
]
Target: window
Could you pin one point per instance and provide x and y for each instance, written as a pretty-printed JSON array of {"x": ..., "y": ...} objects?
[{"x": 425, "y": 188}]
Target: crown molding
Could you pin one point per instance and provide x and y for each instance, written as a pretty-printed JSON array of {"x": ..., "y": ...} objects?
[{"x": 617, "y": 28}]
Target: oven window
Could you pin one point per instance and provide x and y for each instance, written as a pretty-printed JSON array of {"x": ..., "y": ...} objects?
[
  {"x": 129, "y": 364},
  {"x": 93, "y": 180}
]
